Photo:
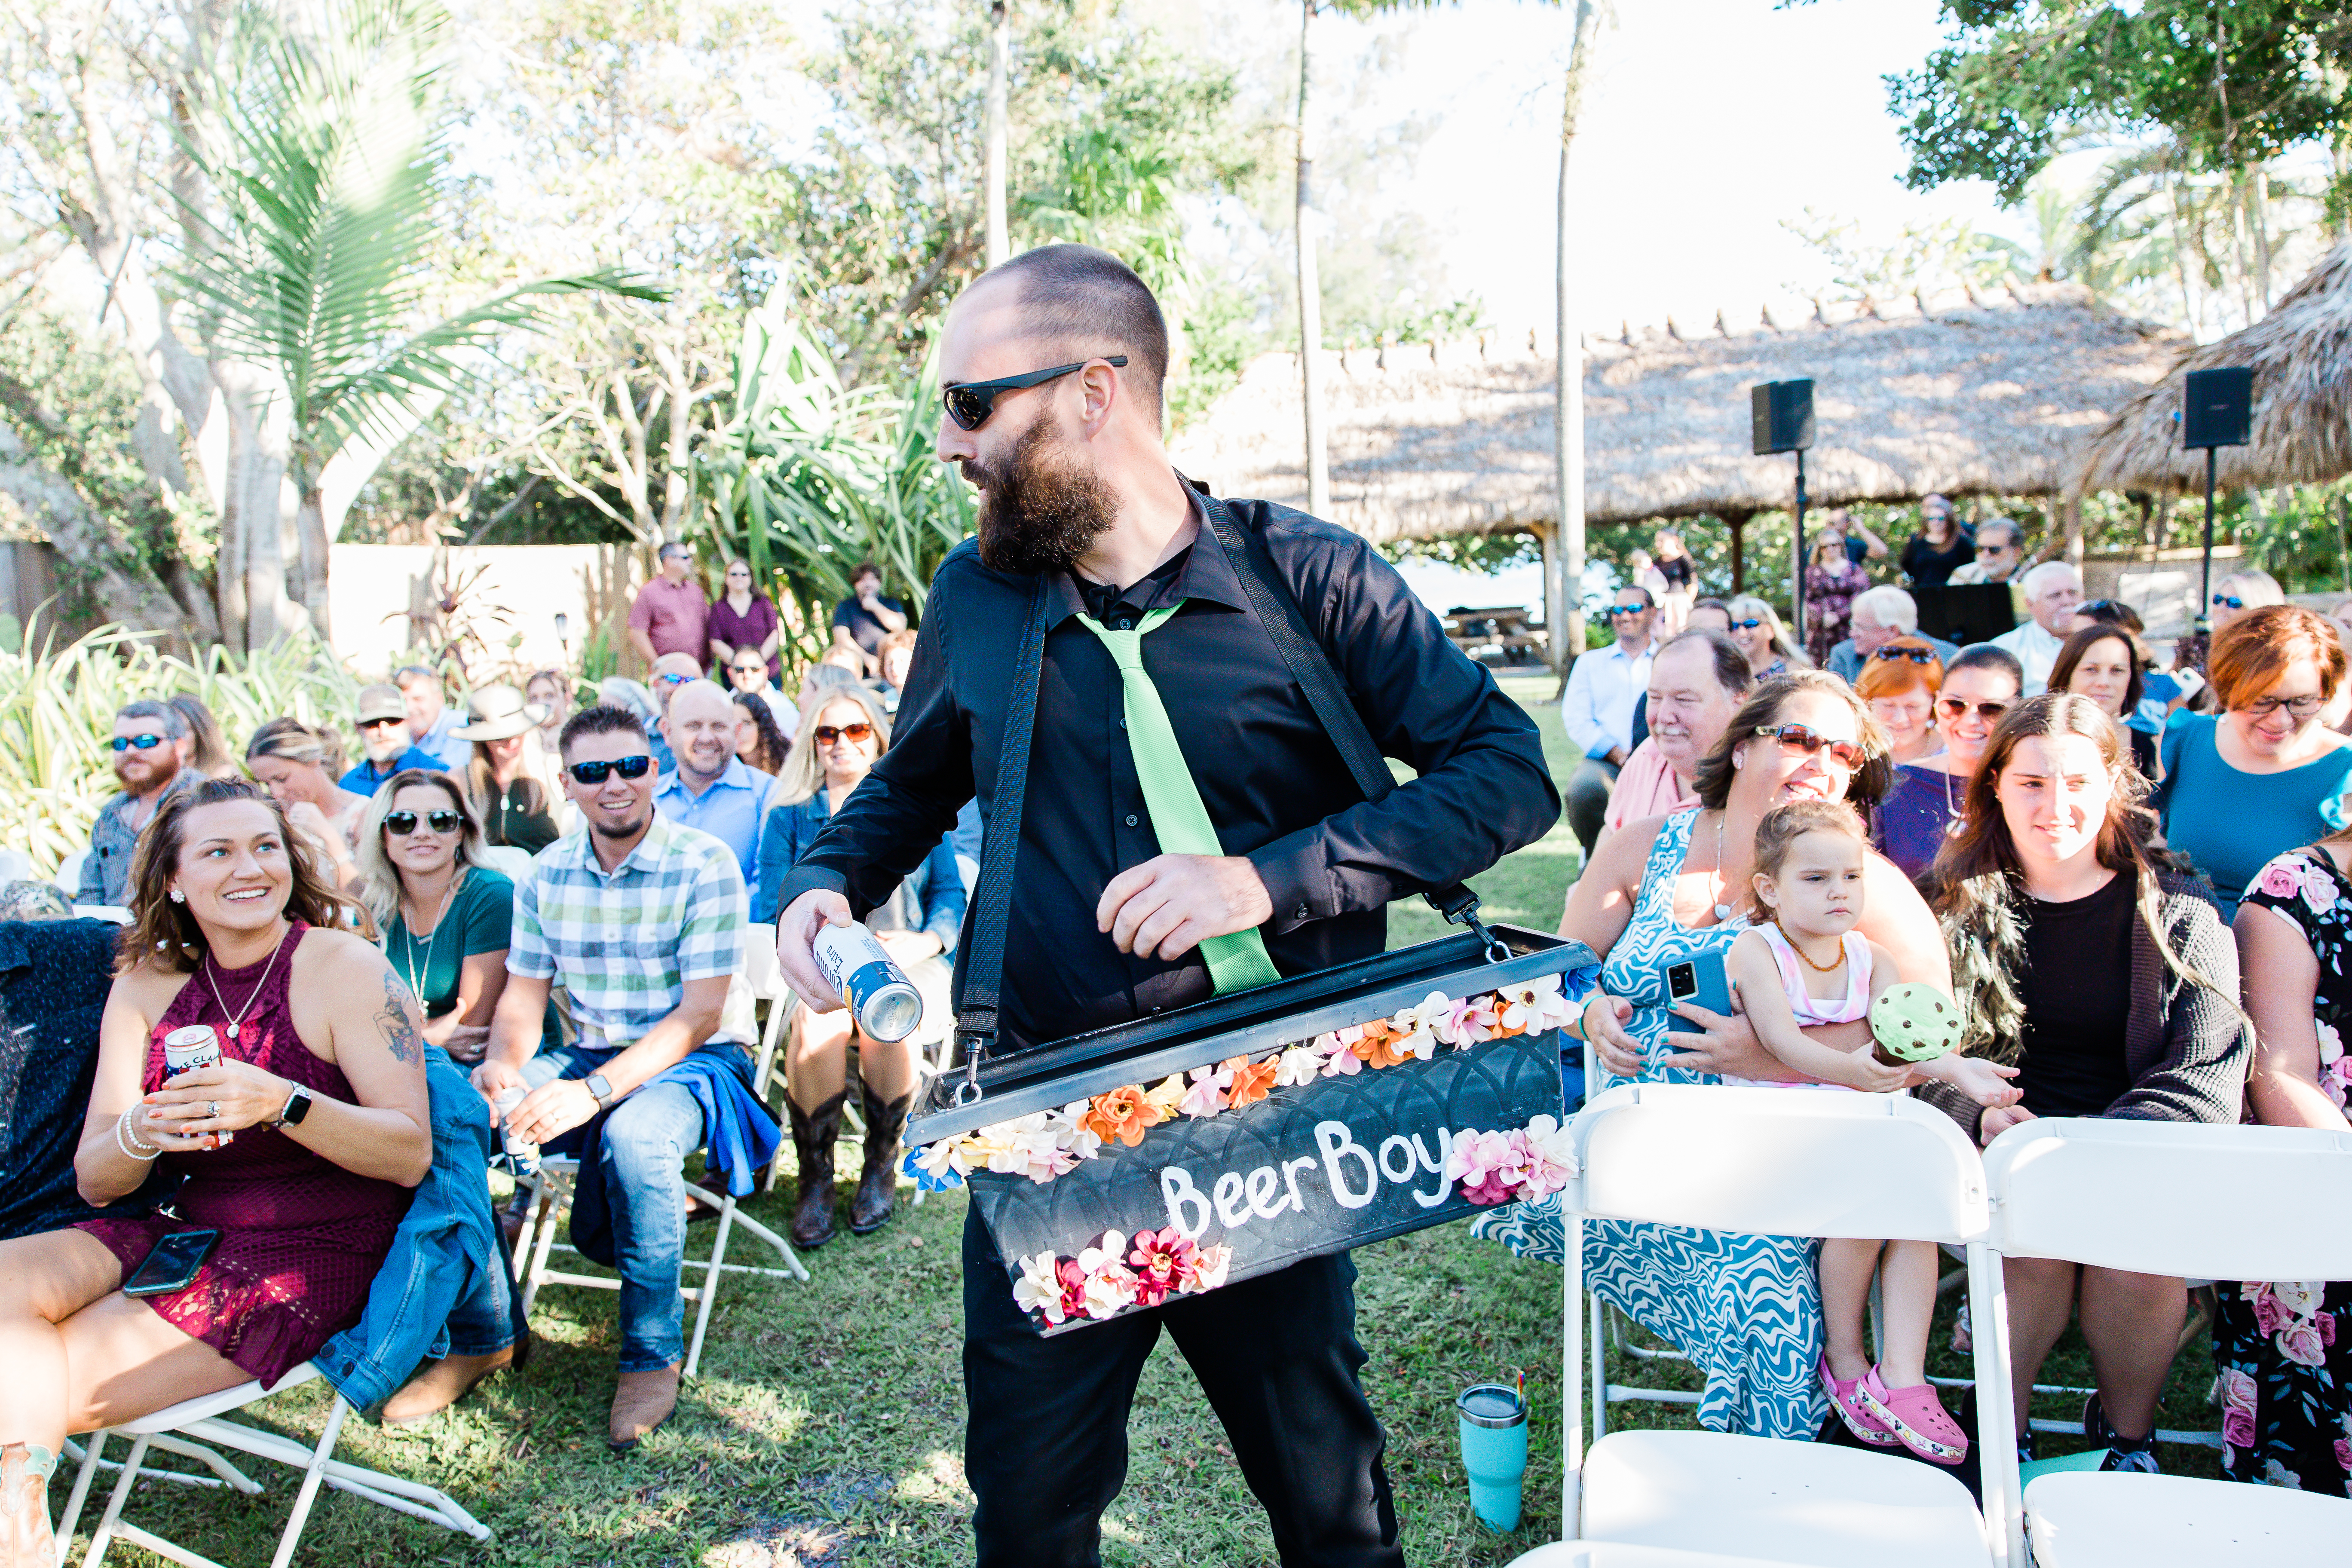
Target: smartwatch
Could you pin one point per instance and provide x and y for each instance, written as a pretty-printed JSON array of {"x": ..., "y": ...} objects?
[
  {"x": 602, "y": 1090},
  {"x": 298, "y": 1106}
]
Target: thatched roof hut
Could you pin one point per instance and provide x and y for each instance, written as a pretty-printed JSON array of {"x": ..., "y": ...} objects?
[
  {"x": 1960, "y": 394},
  {"x": 2302, "y": 357}
]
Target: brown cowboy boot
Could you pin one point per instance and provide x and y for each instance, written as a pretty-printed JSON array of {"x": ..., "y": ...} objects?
[
  {"x": 813, "y": 1138},
  {"x": 877, "y": 1184},
  {"x": 641, "y": 1402},
  {"x": 444, "y": 1383},
  {"x": 25, "y": 1533}
]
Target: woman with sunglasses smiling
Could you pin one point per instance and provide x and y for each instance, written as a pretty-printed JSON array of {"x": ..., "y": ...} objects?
[
  {"x": 1670, "y": 890},
  {"x": 844, "y": 731},
  {"x": 1928, "y": 802},
  {"x": 2266, "y": 774},
  {"x": 443, "y": 914},
  {"x": 1756, "y": 627}
]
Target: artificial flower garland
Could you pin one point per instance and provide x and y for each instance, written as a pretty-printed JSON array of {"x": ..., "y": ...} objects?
[
  {"x": 1108, "y": 1277},
  {"x": 1050, "y": 1143}
]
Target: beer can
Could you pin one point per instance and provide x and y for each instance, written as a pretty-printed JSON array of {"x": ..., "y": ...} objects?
[
  {"x": 521, "y": 1150},
  {"x": 187, "y": 1049},
  {"x": 881, "y": 999}
]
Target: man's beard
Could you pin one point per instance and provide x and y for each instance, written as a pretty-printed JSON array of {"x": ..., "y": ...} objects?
[
  {"x": 384, "y": 751},
  {"x": 620, "y": 829},
  {"x": 1038, "y": 512}
]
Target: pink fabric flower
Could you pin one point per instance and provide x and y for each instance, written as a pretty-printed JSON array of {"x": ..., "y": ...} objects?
[
  {"x": 1206, "y": 1096},
  {"x": 2238, "y": 1408},
  {"x": 1207, "y": 1271},
  {"x": 2344, "y": 1454},
  {"x": 1489, "y": 1166},
  {"x": 2278, "y": 879},
  {"x": 1161, "y": 1261},
  {"x": 2318, "y": 886},
  {"x": 1466, "y": 1023}
]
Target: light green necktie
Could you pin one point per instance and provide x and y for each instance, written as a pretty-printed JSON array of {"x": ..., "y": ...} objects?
[{"x": 1179, "y": 820}]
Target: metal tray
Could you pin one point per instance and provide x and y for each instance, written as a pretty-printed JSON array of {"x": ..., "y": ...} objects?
[{"x": 1049, "y": 1077}]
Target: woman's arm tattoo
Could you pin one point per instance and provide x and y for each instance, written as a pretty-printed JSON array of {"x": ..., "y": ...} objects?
[{"x": 401, "y": 1034}]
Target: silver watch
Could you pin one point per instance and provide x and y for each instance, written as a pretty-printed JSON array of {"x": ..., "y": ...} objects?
[{"x": 601, "y": 1088}]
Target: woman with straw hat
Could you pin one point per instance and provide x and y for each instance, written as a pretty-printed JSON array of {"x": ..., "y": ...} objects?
[{"x": 506, "y": 782}]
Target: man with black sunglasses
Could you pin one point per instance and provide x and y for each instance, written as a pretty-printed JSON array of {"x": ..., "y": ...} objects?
[
  {"x": 1053, "y": 365},
  {"x": 150, "y": 760},
  {"x": 1596, "y": 708}
]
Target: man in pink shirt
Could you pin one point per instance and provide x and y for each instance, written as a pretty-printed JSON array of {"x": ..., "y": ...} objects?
[
  {"x": 1697, "y": 682},
  {"x": 670, "y": 615}
]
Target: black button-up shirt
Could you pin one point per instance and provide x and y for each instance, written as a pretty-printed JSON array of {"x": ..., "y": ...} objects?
[{"x": 1273, "y": 782}]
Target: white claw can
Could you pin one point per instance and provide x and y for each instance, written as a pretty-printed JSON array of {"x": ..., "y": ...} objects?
[
  {"x": 880, "y": 997},
  {"x": 521, "y": 1150},
  {"x": 187, "y": 1049}
]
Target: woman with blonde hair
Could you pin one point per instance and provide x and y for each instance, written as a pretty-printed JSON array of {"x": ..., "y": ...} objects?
[
  {"x": 844, "y": 731},
  {"x": 1831, "y": 581},
  {"x": 443, "y": 913},
  {"x": 1756, "y": 627},
  {"x": 299, "y": 1149},
  {"x": 298, "y": 766}
]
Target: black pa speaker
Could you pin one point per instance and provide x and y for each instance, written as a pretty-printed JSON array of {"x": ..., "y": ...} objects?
[
  {"x": 1783, "y": 416},
  {"x": 2218, "y": 410}
]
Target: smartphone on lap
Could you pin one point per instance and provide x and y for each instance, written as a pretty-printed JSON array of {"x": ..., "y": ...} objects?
[{"x": 173, "y": 1265}]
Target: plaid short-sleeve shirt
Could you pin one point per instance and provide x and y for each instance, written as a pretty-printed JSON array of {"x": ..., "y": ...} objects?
[{"x": 624, "y": 944}]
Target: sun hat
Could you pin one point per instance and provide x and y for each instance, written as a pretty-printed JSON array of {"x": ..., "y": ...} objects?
[
  {"x": 381, "y": 701},
  {"x": 498, "y": 713}
]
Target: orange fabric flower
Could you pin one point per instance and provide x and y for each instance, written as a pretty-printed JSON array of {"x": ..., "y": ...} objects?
[
  {"x": 1122, "y": 1114},
  {"x": 1379, "y": 1050},
  {"x": 1251, "y": 1084}
]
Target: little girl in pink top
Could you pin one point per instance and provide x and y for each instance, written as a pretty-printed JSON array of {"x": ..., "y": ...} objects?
[{"x": 1801, "y": 962}]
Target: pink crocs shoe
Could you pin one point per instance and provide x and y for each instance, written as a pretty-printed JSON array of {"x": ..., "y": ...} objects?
[
  {"x": 1917, "y": 1417},
  {"x": 1857, "y": 1417}
]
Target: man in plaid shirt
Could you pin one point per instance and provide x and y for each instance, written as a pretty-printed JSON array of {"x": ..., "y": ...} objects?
[{"x": 642, "y": 922}]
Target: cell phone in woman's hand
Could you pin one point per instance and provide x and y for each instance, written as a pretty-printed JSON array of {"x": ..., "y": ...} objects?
[{"x": 1699, "y": 981}]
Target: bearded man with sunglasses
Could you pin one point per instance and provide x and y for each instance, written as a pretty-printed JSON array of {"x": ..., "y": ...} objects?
[
  {"x": 1139, "y": 600},
  {"x": 150, "y": 760},
  {"x": 641, "y": 920}
]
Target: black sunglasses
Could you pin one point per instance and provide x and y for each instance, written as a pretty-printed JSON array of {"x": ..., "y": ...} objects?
[
  {"x": 1994, "y": 549},
  {"x": 970, "y": 403},
  {"x": 635, "y": 767},
  {"x": 380, "y": 723},
  {"x": 403, "y": 823},
  {"x": 1916, "y": 654},
  {"x": 1812, "y": 743},
  {"x": 144, "y": 742}
]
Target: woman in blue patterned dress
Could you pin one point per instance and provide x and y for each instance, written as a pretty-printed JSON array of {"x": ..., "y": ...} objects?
[{"x": 1746, "y": 1309}]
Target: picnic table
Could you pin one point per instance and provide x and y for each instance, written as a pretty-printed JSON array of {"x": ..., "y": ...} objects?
[{"x": 1502, "y": 629}]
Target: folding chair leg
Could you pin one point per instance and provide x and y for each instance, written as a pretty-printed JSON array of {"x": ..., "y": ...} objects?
[
  {"x": 94, "y": 1446},
  {"x": 111, "y": 1521},
  {"x": 706, "y": 1294},
  {"x": 544, "y": 1244},
  {"x": 311, "y": 1476},
  {"x": 1600, "y": 1373}
]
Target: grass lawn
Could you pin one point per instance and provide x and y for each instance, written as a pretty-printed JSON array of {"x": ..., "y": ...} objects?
[{"x": 825, "y": 1428}]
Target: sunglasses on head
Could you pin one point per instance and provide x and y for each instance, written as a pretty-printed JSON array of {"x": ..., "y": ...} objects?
[
  {"x": 1813, "y": 743},
  {"x": 401, "y": 824},
  {"x": 635, "y": 767},
  {"x": 856, "y": 734},
  {"x": 144, "y": 742},
  {"x": 1749, "y": 625},
  {"x": 1958, "y": 707},
  {"x": 1916, "y": 654},
  {"x": 2231, "y": 600},
  {"x": 970, "y": 403}
]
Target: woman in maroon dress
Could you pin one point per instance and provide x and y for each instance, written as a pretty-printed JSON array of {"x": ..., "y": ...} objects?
[
  {"x": 743, "y": 622},
  {"x": 300, "y": 1146}
]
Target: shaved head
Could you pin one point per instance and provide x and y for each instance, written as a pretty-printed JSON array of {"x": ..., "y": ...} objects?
[{"x": 1077, "y": 302}]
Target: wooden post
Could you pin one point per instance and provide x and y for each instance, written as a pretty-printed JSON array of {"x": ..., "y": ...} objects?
[
  {"x": 2071, "y": 506},
  {"x": 1737, "y": 523}
]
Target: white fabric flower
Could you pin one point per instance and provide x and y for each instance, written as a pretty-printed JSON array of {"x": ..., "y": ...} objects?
[{"x": 1037, "y": 1289}]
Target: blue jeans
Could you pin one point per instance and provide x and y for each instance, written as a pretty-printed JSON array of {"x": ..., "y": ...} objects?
[{"x": 645, "y": 1142}]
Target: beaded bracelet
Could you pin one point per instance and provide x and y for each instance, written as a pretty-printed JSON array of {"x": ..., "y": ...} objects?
[{"x": 126, "y": 1139}]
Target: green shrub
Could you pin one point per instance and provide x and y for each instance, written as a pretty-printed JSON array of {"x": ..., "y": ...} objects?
[{"x": 57, "y": 707}]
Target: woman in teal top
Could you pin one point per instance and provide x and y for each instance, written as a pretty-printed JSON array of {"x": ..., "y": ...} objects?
[
  {"x": 2264, "y": 776},
  {"x": 444, "y": 916}
]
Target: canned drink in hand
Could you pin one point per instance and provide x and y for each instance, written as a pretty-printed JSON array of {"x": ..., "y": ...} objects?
[
  {"x": 521, "y": 1150},
  {"x": 185, "y": 1050},
  {"x": 880, "y": 997}
]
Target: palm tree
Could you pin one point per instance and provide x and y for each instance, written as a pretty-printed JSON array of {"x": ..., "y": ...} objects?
[
  {"x": 999, "y": 67},
  {"x": 1564, "y": 585},
  {"x": 329, "y": 164}
]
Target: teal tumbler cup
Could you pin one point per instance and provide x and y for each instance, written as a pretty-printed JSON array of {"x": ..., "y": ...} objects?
[{"x": 1493, "y": 1418}]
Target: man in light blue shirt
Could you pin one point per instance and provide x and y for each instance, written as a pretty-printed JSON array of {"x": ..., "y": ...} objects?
[
  {"x": 710, "y": 788},
  {"x": 1597, "y": 708},
  {"x": 430, "y": 720}
]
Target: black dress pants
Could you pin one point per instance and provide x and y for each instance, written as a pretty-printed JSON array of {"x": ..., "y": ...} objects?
[{"x": 1045, "y": 1444}]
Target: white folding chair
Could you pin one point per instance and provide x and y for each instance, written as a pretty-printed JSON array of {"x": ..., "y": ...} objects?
[
  {"x": 186, "y": 1428},
  {"x": 509, "y": 861},
  {"x": 1777, "y": 1163},
  {"x": 69, "y": 876},
  {"x": 2197, "y": 1201}
]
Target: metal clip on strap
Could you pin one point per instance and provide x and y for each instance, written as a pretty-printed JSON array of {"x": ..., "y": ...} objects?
[{"x": 1464, "y": 912}]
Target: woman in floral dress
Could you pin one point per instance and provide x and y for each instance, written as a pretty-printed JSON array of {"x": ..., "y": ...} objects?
[{"x": 2285, "y": 1347}]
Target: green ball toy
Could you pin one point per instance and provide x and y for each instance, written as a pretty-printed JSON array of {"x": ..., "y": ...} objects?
[{"x": 1913, "y": 1023}]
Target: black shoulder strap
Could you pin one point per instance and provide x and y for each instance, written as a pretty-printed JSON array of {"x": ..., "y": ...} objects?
[
  {"x": 984, "y": 964},
  {"x": 1310, "y": 666}
]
